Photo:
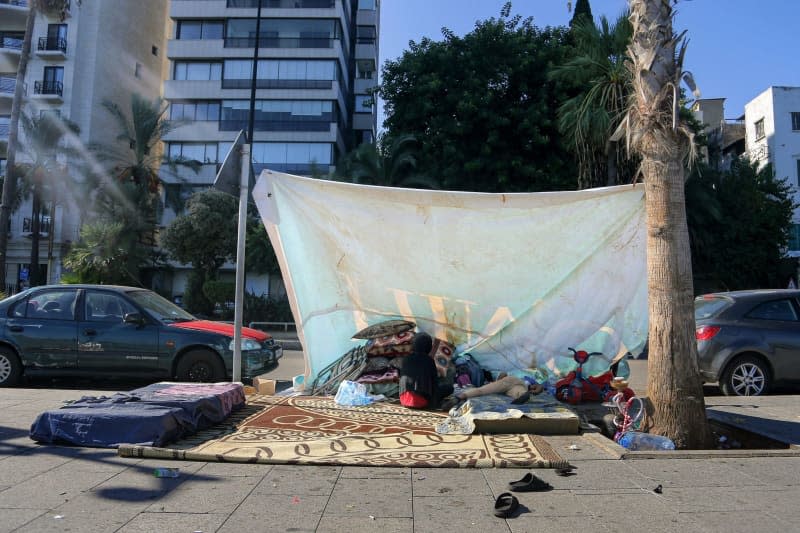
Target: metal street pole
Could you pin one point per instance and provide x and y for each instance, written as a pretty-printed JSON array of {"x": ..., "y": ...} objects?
[{"x": 244, "y": 183}]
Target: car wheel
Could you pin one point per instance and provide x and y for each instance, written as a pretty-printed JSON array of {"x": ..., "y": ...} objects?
[
  {"x": 202, "y": 367},
  {"x": 745, "y": 376},
  {"x": 10, "y": 368}
]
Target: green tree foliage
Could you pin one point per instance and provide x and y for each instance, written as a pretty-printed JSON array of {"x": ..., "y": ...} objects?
[
  {"x": 582, "y": 13},
  {"x": 126, "y": 188},
  {"x": 598, "y": 77},
  {"x": 102, "y": 255},
  {"x": 482, "y": 107},
  {"x": 205, "y": 237},
  {"x": 259, "y": 254},
  {"x": 739, "y": 223},
  {"x": 44, "y": 173},
  {"x": 391, "y": 162}
]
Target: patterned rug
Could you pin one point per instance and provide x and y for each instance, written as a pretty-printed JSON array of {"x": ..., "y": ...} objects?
[{"x": 313, "y": 430}]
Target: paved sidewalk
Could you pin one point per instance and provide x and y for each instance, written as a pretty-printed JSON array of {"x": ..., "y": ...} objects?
[{"x": 51, "y": 488}]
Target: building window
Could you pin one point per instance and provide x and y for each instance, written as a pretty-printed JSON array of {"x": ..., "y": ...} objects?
[
  {"x": 282, "y": 33},
  {"x": 365, "y": 70},
  {"x": 280, "y": 74},
  {"x": 5, "y": 128},
  {"x": 292, "y": 157},
  {"x": 794, "y": 238},
  {"x": 199, "y": 29},
  {"x": 198, "y": 110},
  {"x": 795, "y": 121},
  {"x": 367, "y": 4},
  {"x": 205, "y": 153},
  {"x": 197, "y": 71},
  {"x": 759, "y": 128},
  {"x": 3, "y": 167},
  {"x": 364, "y": 103},
  {"x": 278, "y": 115},
  {"x": 366, "y": 34}
]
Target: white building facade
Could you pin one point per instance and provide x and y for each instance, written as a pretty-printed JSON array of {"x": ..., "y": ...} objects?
[
  {"x": 317, "y": 64},
  {"x": 101, "y": 51},
  {"x": 772, "y": 122}
]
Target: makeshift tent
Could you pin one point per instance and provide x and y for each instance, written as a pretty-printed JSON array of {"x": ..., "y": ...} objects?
[{"x": 515, "y": 279}]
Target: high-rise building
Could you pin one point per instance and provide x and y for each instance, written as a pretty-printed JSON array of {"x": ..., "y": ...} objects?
[
  {"x": 99, "y": 51},
  {"x": 316, "y": 66},
  {"x": 772, "y": 122}
]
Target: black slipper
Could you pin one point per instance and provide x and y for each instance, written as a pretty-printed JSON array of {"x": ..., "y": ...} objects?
[
  {"x": 505, "y": 505},
  {"x": 529, "y": 483},
  {"x": 565, "y": 472},
  {"x": 522, "y": 399}
]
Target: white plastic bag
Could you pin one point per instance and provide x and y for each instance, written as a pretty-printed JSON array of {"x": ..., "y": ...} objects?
[{"x": 352, "y": 393}]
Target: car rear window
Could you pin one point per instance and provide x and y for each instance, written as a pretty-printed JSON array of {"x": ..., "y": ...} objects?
[{"x": 708, "y": 306}]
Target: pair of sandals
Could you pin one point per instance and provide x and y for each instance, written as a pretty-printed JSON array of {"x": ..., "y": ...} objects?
[{"x": 507, "y": 504}]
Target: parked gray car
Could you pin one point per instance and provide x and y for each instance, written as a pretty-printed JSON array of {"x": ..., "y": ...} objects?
[{"x": 748, "y": 340}]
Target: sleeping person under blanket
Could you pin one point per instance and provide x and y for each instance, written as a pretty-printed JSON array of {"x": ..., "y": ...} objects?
[{"x": 518, "y": 389}]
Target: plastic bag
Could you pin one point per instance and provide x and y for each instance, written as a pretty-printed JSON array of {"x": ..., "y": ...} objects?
[{"x": 352, "y": 393}]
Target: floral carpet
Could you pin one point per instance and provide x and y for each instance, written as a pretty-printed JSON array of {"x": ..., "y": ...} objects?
[{"x": 314, "y": 430}]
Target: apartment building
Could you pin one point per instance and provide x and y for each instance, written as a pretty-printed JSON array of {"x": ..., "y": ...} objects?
[
  {"x": 317, "y": 63},
  {"x": 101, "y": 50},
  {"x": 772, "y": 124}
]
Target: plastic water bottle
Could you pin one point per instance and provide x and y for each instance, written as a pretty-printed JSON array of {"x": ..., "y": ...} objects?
[
  {"x": 636, "y": 440},
  {"x": 167, "y": 472}
]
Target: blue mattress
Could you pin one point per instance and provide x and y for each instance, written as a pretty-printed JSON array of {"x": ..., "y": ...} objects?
[{"x": 152, "y": 415}]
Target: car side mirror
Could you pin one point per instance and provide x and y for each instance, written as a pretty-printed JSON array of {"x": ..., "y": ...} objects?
[{"x": 133, "y": 318}]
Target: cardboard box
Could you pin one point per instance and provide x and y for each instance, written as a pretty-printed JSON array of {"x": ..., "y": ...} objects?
[{"x": 264, "y": 386}]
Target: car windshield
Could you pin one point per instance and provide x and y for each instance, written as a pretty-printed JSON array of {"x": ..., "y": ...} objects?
[
  {"x": 708, "y": 306},
  {"x": 160, "y": 308}
]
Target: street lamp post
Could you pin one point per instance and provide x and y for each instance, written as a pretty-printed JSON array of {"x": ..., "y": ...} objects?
[{"x": 244, "y": 183}]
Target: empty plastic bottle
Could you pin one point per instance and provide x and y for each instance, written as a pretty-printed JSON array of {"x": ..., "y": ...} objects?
[
  {"x": 636, "y": 440},
  {"x": 166, "y": 472}
]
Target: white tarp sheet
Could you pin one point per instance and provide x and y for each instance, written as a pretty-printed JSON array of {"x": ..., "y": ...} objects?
[{"x": 515, "y": 279}]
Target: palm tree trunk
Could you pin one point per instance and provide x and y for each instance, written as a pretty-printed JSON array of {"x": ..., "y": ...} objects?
[
  {"x": 36, "y": 217},
  {"x": 675, "y": 391},
  {"x": 9, "y": 184}
]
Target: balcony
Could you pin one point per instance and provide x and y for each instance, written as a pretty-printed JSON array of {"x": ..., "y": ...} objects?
[
  {"x": 11, "y": 43},
  {"x": 14, "y": 3},
  {"x": 44, "y": 225},
  {"x": 277, "y": 125},
  {"x": 283, "y": 4},
  {"x": 280, "y": 42},
  {"x": 7, "y": 87},
  {"x": 50, "y": 46},
  {"x": 48, "y": 89}
]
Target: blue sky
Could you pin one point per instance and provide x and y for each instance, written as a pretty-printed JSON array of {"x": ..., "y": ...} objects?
[{"x": 737, "y": 48}]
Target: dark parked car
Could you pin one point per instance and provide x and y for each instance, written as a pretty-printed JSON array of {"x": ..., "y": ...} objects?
[
  {"x": 748, "y": 340},
  {"x": 100, "y": 330}
]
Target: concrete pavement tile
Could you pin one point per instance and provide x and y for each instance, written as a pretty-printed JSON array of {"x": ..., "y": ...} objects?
[
  {"x": 770, "y": 471},
  {"x": 29, "y": 465},
  {"x": 353, "y": 524},
  {"x": 739, "y": 522},
  {"x": 449, "y": 481},
  {"x": 236, "y": 470},
  {"x": 623, "y": 518},
  {"x": 299, "y": 480},
  {"x": 591, "y": 446},
  {"x": 527, "y": 523},
  {"x": 686, "y": 472},
  {"x": 553, "y": 503},
  {"x": 780, "y": 502},
  {"x": 51, "y": 490},
  {"x": 11, "y": 519},
  {"x": 587, "y": 474},
  {"x": 456, "y": 513},
  {"x": 276, "y": 513},
  {"x": 370, "y": 497},
  {"x": 150, "y": 522},
  {"x": 217, "y": 496},
  {"x": 88, "y": 513},
  {"x": 691, "y": 499},
  {"x": 368, "y": 472}
]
